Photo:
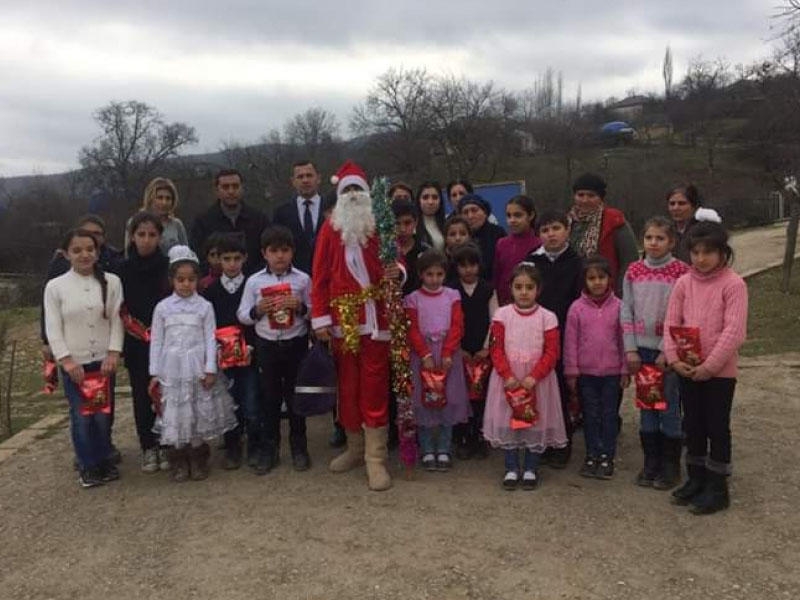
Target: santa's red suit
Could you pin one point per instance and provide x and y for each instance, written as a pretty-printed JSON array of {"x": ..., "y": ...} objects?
[{"x": 339, "y": 270}]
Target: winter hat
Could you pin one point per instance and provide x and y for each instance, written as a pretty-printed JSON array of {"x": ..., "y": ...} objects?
[
  {"x": 477, "y": 201},
  {"x": 350, "y": 174},
  {"x": 707, "y": 214},
  {"x": 591, "y": 182},
  {"x": 182, "y": 254}
]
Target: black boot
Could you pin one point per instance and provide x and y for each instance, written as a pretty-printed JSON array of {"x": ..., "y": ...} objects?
[
  {"x": 693, "y": 486},
  {"x": 714, "y": 496},
  {"x": 671, "y": 464},
  {"x": 651, "y": 448},
  {"x": 233, "y": 450}
]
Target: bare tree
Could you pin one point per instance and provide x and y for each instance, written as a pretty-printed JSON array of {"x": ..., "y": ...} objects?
[
  {"x": 134, "y": 142},
  {"x": 666, "y": 72},
  {"x": 312, "y": 130}
]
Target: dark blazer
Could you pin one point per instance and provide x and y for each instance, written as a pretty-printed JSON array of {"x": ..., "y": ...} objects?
[
  {"x": 287, "y": 215},
  {"x": 251, "y": 222}
]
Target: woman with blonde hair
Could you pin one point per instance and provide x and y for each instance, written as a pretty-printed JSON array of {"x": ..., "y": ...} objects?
[{"x": 161, "y": 198}]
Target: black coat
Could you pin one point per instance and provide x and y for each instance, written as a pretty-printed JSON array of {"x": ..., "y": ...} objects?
[
  {"x": 562, "y": 281},
  {"x": 144, "y": 284},
  {"x": 287, "y": 215},
  {"x": 486, "y": 238},
  {"x": 250, "y": 222}
]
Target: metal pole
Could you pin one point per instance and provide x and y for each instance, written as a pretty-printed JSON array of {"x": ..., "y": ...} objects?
[{"x": 9, "y": 385}]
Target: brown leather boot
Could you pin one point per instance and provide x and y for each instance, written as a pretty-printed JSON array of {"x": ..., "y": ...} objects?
[
  {"x": 375, "y": 455},
  {"x": 353, "y": 455},
  {"x": 199, "y": 462}
]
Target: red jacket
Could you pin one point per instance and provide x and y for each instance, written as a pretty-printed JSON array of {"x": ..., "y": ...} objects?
[{"x": 612, "y": 220}]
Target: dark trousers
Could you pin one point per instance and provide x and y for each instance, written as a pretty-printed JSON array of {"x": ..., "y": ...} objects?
[
  {"x": 249, "y": 412},
  {"x": 600, "y": 414},
  {"x": 707, "y": 418},
  {"x": 279, "y": 361},
  {"x": 563, "y": 390},
  {"x": 137, "y": 361}
]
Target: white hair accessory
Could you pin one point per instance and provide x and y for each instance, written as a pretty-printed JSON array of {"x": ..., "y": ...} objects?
[
  {"x": 182, "y": 254},
  {"x": 707, "y": 214}
]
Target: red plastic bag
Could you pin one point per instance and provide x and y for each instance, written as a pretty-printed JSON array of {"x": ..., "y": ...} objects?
[
  {"x": 232, "y": 350},
  {"x": 95, "y": 392},
  {"x": 687, "y": 340},
  {"x": 477, "y": 374},
  {"x": 433, "y": 387},
  {"x": 649, "y": 381},
  {"x": 281, "y": 318},
  {"x": 50, "y": 373},
  {"x": 154, "y": 391},
  {"x": 133, "y": 326},
  {"x": 523, "y": 407}
]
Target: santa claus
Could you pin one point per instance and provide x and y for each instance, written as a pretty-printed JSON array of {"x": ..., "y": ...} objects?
[{"x": 346, "y": 307}]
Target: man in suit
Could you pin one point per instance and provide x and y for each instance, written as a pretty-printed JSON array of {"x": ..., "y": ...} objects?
[{"x": 304, "y": 214}]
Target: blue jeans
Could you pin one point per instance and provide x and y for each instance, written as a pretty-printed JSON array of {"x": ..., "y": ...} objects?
[
  {"x": 666, "y": 421},
  {"x": 600, "y": 414},
  {"x": 91, "y": 435},
  {"x": 436, "y": 439},
  {"x": 530, "y": 460},
  {"x": 245, "y": 392}
]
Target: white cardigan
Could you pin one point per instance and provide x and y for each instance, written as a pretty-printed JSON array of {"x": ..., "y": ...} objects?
[{"x": 74, "y": 319}]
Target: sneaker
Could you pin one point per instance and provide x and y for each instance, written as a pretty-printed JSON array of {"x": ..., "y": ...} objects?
[
  {"x": 443, "y": 462},
  {"x": 589, "y": 468},
  {"x": 530, "y": 480},
  {"x": 510, "y": 480},
  {"x": 89, "y": 478},
  {"x": 429, "y": 462},
  {"x": 605, "y": 469},
  {"x": 150, "y": 460},
  {"x": 163, "y": 459},
  {"x": 109, "y": 472}
]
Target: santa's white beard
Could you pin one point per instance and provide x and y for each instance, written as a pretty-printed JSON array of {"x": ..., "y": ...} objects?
[{"x": 353, "y": 218}]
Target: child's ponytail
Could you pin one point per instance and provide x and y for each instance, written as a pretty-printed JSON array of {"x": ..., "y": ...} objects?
[{"x": 100, "y": 275}]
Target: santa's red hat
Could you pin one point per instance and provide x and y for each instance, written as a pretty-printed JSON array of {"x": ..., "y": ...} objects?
[{"x": 350, "y": 174}]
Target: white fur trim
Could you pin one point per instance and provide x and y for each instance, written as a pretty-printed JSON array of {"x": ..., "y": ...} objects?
[
  {"x": 380, "y": 335},
  {"x": 707, "y": 214},
  {"x": 334, "y": 179},
  {"x": 320, "y": 322},
  {"x": 404, "y": 273},
  {"x": 351, "y": 180}
]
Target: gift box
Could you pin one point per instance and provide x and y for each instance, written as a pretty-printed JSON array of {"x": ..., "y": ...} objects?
[
  {"x": 279, "y": 318},
  {"x": 315, "y": 386},
  {"x": 523, "y": 407},
  {"x": 477, "y": 372},
  {"x": 133, "y": 326},
  {"x": 433, "y": 387},
  {"x": 95, "y": 390},
  {"x": 232, "y": 348},
  {"x": 687, "y": 342},
  {"x": 649, "y": 381},
  {"x": 50, "y": 374}
]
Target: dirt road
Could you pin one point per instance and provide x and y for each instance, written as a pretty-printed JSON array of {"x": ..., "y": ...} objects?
[{"x": 459, "y": 535}]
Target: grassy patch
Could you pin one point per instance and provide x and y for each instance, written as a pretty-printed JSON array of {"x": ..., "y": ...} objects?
[{"x": 774, "y": 321}]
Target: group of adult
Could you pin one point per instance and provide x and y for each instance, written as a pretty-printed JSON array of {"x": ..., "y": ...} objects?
[{"x": 596, "y": 229}]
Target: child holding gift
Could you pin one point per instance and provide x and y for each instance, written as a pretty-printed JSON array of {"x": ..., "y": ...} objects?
[
  {"x": 440, "y": 393},
  {"x": 594, "y": 364},
  {"x": 646, "y": 288},
  {"x": 195, "y": 407},
  {"x": 85, "y": 334},
  {"x": 523, "y": 405},
  {"x": 710, "y": 302},
  {"x": 276, "y": 300}
]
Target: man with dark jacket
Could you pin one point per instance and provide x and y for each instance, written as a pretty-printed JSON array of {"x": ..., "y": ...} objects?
[
  {"x": 304, "y": 214},
  {"x": 230, "y": 215}
]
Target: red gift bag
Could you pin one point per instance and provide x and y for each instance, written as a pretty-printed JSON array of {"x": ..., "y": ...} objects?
[
  {"x": 523, "y": 407},
  {"x": 232, "y": 349},
  {"x": 477, "y": 374},
  {"x": 649, "y": 381},
  {"x": 281, "y": 318},
  {"x": 133, "y": 326},
  {"x": 433, "y": 386},
  {"x": 687, "y": 341},
  {"x": 95, "y": 392},
  {"x": 50, "y": 373},
  {"x": 154, "y": 391}
]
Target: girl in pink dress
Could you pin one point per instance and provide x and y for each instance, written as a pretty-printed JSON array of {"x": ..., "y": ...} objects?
[
  {"x": 525, "y": 349},
  {"x": 437, "y": 326}
]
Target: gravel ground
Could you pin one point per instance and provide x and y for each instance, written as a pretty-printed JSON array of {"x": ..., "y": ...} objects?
[{"x": 458, "y": 535}]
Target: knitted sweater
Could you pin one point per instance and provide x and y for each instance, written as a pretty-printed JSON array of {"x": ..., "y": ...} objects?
[
  {"x": 508, "y": 253},
  {"x": 593, "y": 339},
  {"x": 716, "y": 303},
  {"x": 645, "y": 294}
]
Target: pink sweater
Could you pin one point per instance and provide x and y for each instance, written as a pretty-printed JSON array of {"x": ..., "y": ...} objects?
[
  {"x": 593, "y": 338},
  {"x": 508, "y": 253},
  {"x": 717, "y": 304}
]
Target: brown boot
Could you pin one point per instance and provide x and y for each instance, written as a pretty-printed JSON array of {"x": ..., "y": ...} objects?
[
  {"x": 179, "y": 463},
  {"x": 375, "y": 455},
  {"x": 199, "y": 462},
  {"x": 353, "y": 455}
]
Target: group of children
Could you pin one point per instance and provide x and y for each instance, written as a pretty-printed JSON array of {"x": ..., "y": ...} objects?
[{"x": 506, "y": 363}]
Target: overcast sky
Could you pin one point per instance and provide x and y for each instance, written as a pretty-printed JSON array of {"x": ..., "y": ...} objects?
[{"x": 236, "y": 69}]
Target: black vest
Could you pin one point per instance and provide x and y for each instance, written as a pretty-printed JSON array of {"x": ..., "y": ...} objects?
[{"x": 476, "y": 315}]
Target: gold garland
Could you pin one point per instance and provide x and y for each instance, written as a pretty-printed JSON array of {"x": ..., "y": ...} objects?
[{"x": 347, "y": 307}]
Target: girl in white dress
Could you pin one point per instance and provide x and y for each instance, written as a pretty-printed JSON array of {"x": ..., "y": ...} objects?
[{"x": 194, "y": 405}]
